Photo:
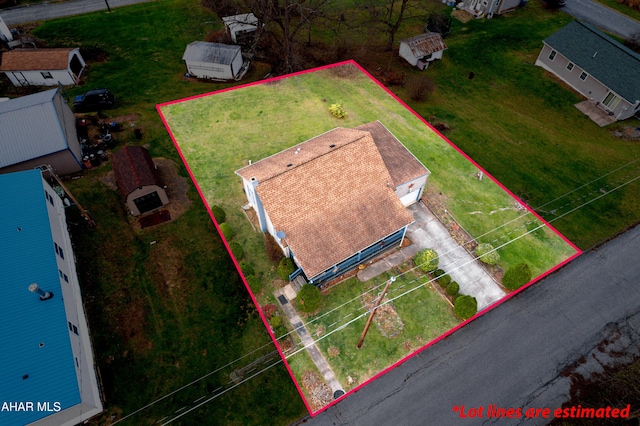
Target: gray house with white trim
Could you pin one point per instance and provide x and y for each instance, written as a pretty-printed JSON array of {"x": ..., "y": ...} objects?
[
  {"x": 596, "y": 66},
  {"x": 39, "y": 129}
]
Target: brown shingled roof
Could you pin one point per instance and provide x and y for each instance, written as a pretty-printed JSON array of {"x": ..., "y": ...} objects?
[
  {"x": 35, "y": 59},
  {"x": 331, "y": 202},
  {"x": 134, "y": 168},
  {"x": 401, "y": 164},
  {"x": 425, "y": 44}
]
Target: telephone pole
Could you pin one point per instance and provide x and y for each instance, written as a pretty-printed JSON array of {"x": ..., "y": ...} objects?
[{"x": 373, "y": 312}]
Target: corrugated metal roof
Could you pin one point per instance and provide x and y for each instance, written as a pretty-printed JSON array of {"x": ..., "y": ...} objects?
[
  {"x": 213, "y": 53},
  {"x": 36, "y": 360},
  {"x": 611, "y": 63},
  {"x": 425, "y": 44},
  {"x": 35, "y": 59},
  {"x": 30, "y": 128}
]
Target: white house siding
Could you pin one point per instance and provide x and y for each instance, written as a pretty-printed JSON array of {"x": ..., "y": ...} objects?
[
  {"x": 37, "y": 78},
  {"x": 410, "y": 192},
  {"x": 590, "y": 87},
  {"x": 203, "y": 61},
  {"x": 405, "y": 52}
]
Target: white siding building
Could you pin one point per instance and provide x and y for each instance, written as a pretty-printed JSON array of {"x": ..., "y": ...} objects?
[
  {"x": 43, "y": 67},
  {"x": 214, "y": 61}
]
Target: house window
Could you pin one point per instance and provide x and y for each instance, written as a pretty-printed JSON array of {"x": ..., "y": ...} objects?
[
  {"x": 59, "y": 250},
  {"x": 63, "y": 276},
  {"x": 611, "y": 100},
  {"x": 583, "y": 76},
  {"x": 48, "y": 197},
  {"x": 552, "y": 54},
  {"x": 46, "y": 74},
  {"x": 570, "y": 66}
]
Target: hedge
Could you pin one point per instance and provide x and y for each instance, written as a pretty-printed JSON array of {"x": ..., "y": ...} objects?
[
  {"x": 255, "y": 283},
  {"x": 453, "y": 288},
  {"x": 516, "y": 276},
  {"x": 236, "y": 250},
  {"x": 487, "y": 254},
  {"x": 426, "y": 259},
  {"x": 247, "y": 268},
  {"x": 219, "y": 214},
  {"x": 465, "y": 306},
  {"x": 444, "y": 280},
  {"x": 309, "y": 298},
  {"x": 438, "y": 273},
  {"x": 286, "y": 268},
  {"x": 227, "y": 231}
]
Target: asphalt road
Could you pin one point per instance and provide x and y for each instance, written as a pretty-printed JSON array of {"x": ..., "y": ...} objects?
[
  {"x": 515, "y": 355},
  {"x": 602, "y": 17},
  {"x": 44, "y": 11}
]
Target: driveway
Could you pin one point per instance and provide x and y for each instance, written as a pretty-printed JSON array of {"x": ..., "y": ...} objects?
[
  {"x": 602, "y": 17},
  {"x": 45, "y": 11},
  {"x": 428, "y": 232}
]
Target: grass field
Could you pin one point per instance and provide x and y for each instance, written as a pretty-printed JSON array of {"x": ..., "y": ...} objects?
[
  {"x": 222, "y": 132},
  {"x": 514, "y": 119}
]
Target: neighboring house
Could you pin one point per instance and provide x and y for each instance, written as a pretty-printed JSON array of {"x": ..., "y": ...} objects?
[
  {"x": 336, "y": 200},
  {"x": 422, "y": 49},
  {"x": 39, "y": 129},
  {"x": 46, "y": 366},
  {"x": 138, "y": 180},
  {"x": 42, "y": 67},
  {"x": 214, "y": 61},
  {"x": 596, "y": 66},
  {"x": 489, "y": 8},
  {"x": 241, "y": 26}
]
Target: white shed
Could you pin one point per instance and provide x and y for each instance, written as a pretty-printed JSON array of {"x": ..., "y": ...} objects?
[
  {"x": 239, "y": 26},
  {"x": 422, "y": 49},
  {"x": 214, "y": 61},
  {"x": 43, "y": 67}
]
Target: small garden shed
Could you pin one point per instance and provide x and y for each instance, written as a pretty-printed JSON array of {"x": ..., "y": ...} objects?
[
  {"x": 422, "y": 49},
  {"x": 138, "y": 180},
  {"x": 214, "y": 61},
  {"x": 42, "y": 67},
  {"x": 240, "y": 26}
]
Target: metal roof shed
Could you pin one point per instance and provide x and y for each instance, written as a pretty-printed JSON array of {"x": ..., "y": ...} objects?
[
  {"x": 47, "y": 370},
  {"x": 214, "y": 61},
  {"x": 39, "y": 129}
]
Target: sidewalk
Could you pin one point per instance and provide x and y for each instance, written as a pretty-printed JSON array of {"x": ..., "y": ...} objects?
[
  {"x": 309, "y": 343},
  {"x": 428, "y": 232}
]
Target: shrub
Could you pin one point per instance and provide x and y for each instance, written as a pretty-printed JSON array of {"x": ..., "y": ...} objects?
[
  {"x": 269, "y": 310},
  {"x": 227, "y": 231},
  {"x": 275, "y": 322},
  {"x": 487, "y": 254},
  {"x": 286, "y": 268},
  {"x": 337, "y": 110},
  {"x": 420, "y": 88},
  {"x": 219, "y": 214},
  {"x": 444, "y": 280},
  {"x": 438, "y": 273},
  {"x": 255, "y": 284},
  {"x": 516, "y": 276},
  {"x": 236, "y": 250},
  {"x": 247, "y": 268},
  {"x": 453, "y": 288},
  {"x": 465, "y": 306},
  {"x": 309, "y": 298},
  {"x": 274, "y": 252},
  {"x": 426, "y": 259}
]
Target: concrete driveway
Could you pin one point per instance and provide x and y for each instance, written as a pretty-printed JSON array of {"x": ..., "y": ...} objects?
[
  {"x": 428, "y": 232},
  {"x": 602, "y": 17}
]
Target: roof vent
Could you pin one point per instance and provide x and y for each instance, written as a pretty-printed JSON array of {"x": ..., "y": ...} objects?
[
  {"x": 333, "y": 145},
  {"x": 289, "y": 165},
  {"x": 44, "y": 295}
]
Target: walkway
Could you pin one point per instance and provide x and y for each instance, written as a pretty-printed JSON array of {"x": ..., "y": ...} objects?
[
  {"x": 428, "y": 232},
  {"x": 310, "y": 344}
]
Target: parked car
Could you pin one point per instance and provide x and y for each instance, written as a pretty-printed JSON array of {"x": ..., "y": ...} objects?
[{"x": 96, "y": 99}]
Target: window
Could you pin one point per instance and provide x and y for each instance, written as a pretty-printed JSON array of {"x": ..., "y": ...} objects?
[
  {"x": 583, "y": 76},
  {"x": 611, "y": 100},
  {"x": 63, "y": 276},
  {"x": 48, "y": 197},
  {"x": 59, "y": 250},
  {"x": 46, "y": 74},
  {"x": 570, "y": 66},
  {"x": 552, "y": 54}
]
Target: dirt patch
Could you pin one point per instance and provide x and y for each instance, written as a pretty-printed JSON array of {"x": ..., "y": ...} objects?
[
  {"x": 319, "y": 393},
  {"x": 628, "y": 133},
  {"x": 166, "y": 266},
  {"x": 462, "y": 15},
  {"x": 387, "y": 320}
]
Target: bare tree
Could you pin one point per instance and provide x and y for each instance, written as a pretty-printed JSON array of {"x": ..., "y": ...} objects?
[{"x": 394, "y": 13}]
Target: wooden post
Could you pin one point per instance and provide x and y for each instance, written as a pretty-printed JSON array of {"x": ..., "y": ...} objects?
[
  {"x": 85, "y": 213},
  {"x": 373, "y": 312}
]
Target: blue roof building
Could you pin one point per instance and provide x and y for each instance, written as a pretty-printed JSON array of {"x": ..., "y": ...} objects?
[{"x": 47, "y": 374}]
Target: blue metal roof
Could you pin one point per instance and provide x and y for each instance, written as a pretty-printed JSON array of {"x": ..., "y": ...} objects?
[{"x": 36, "y": 360}]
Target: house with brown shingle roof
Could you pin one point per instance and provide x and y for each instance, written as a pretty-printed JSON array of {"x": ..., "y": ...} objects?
[
  {"x": 42, "y": 67},
  {"x": 138, "y": 180},
  {"x": 336, "y": 200},
  {"x": 422, "y": 49}
]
